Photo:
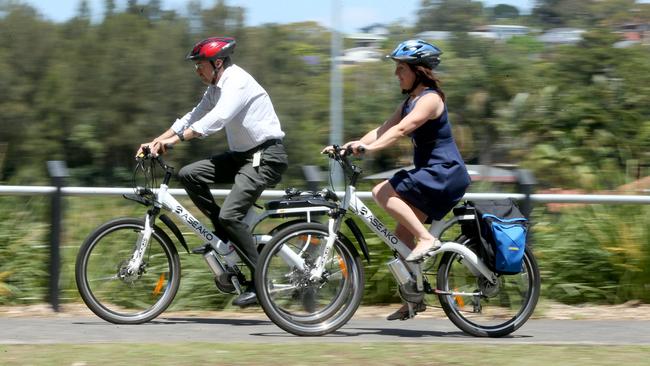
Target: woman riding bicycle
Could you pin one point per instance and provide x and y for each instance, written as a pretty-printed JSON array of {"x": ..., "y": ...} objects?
[{"x": 439, "y": 179}]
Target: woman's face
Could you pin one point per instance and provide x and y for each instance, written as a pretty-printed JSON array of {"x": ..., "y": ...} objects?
[{"x": 405, "y": 75}]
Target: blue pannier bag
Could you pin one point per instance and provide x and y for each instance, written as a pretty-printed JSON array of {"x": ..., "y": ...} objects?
[{"x": 503, "y": 230}]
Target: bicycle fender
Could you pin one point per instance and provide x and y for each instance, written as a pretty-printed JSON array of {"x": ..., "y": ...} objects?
[
  {"x": 359, "y": 236},
  {"x": 177, "y": 232}
]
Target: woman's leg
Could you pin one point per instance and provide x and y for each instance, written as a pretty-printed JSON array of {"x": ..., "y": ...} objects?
[
  {"x": 402, "y": 233},
  {"x": 406, "y": 215}
]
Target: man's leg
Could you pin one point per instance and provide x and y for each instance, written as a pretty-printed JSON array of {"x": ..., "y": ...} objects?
[
  {"x": 195, "y": 178},
  {"x": 242, "y": 196},
  {"x": 249, "y": 184}
]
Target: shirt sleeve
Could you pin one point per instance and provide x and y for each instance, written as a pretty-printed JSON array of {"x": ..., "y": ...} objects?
[
  {"x": 231, "y": 101},
  {"x": 194, "y": 115}
]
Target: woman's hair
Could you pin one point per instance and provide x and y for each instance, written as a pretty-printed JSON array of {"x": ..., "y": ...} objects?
[{"x": 426, "y": 76}]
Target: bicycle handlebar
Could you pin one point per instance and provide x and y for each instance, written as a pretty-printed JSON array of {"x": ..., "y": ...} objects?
[
  {"x": 146, "y": 155},
  {"x": 342, "y": 157}
]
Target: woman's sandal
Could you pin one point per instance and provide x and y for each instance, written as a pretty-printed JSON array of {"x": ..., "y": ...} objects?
[
  {"x": 420, "y": 252},
  {"x": 403, "y": 312}
]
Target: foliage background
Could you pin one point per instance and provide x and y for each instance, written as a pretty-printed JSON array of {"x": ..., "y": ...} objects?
[{"x": 90, "y": 92}]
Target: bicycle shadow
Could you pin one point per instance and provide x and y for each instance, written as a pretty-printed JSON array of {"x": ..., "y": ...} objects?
[
  {"x": 391, "y": 332},
  {"x": 417, "y": 333},
  {"x": 186, "y": 320},
  {"x": 211, "y": 321},
  {"x": 381, "y": 332}
]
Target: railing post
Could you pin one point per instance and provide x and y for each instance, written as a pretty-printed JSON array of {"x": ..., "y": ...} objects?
[
  {"x": 526, "y": 184},
  {"x": 312, "y": 176},
  {"x": 58, "y": 171}
]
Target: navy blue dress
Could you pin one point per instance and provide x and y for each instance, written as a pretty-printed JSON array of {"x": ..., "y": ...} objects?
[{"x": 439, "y": 179}]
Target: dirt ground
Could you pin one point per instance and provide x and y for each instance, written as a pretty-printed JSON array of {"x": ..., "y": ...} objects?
[{"x": 632, "y": 310}]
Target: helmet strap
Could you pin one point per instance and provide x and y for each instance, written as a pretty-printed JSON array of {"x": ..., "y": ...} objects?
[
  {"x": 215, "y": 73},
  {"x": 416, "y": 83}
]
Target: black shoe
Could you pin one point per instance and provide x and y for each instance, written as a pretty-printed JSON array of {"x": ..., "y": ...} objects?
[
  {"x": 403, "y": 312},
  {"x": 247, "y": 298}
]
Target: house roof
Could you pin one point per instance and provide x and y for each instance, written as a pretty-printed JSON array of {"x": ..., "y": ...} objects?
[{"x": 640, "y": 185}]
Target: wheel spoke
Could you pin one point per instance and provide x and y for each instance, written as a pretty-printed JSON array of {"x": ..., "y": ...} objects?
[
  {"x": 133, "y": 298},
  {"x": 292, "y": 299},
  {"x": 481, "y": 308}
]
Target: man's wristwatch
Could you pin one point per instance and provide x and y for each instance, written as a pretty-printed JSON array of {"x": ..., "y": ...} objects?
[{"x": 180, "y": 136}]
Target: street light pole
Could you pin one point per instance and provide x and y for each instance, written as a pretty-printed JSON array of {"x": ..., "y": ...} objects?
[{"x": 336, "y": 94}]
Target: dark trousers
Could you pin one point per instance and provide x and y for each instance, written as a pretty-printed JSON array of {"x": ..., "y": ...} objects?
[{"x": 249, "y": 183}]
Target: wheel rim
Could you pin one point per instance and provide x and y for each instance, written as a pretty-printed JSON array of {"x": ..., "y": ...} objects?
[
  {"x": 303, "y": 305},
  {"x": 117, "y": 293},
  {"x": 502, "y": 306}
]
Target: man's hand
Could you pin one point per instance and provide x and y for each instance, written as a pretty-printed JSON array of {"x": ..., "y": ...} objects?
[
  {"x": 156, "y": 147},
  {"x": 159, "y": 147},
  {"x": 140, "y": 152}
]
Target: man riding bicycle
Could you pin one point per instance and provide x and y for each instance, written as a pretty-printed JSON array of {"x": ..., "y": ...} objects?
[{"x": 256, "y": 158}]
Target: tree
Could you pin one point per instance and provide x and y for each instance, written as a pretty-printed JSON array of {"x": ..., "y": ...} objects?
[
  {"x": 505, "y": 11},
  {"x": 450, "y": 15},
  {"x": 109, "y": 8},
  {"x": 83, "y": 11}
]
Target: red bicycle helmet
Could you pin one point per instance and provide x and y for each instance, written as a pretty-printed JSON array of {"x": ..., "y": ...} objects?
[{"x": 212, "y": 48}]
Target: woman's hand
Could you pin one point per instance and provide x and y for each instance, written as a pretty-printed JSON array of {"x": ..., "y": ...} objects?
[
  {"x": 328, "y": 150},
  {"x": 357, "y": 147}
]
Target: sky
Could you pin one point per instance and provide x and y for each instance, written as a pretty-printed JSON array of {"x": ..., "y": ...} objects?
[{"x": 354, "y": 14}]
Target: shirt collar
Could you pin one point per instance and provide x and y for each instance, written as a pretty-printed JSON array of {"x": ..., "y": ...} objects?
[{"x": 226, "y": 72}]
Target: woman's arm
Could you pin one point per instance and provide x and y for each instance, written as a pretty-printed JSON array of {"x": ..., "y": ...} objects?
[
  {"x": 373, "y": 135},
  {"x": 429, "y": 106}
]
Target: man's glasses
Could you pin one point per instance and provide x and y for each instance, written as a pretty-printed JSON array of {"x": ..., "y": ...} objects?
[{"x": 199, "y": 66}]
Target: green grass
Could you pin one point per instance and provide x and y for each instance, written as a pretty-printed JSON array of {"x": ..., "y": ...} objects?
[
  {"x": 590, "y": 254},
  {"x": 321, "y": 354}
]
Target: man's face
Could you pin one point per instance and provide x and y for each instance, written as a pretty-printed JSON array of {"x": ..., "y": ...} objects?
[{"x": 205, "y": 70}]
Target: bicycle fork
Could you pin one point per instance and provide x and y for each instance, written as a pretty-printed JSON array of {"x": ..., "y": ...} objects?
[{"x": 133, "y": 267}]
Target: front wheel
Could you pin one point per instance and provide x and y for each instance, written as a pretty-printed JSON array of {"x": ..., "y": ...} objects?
[
  {"x": 483, "y": 309},
  {"x": 291, "y": 298},
  {"x": 110, "y": 290}
]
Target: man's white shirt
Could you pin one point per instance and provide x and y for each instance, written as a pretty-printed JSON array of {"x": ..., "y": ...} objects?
[{"x": 238, "y": 103}]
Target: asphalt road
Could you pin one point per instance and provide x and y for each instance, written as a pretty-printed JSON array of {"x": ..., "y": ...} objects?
[{"x": 89, "y": 329}]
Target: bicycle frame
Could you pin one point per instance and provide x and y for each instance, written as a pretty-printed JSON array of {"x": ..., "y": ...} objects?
[
  {"x": 358, "y": 208},
  {"x": 352, "y": 203},
  {"x": 227, "y": 252}
]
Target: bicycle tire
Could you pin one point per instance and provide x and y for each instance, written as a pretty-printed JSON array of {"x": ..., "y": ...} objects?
[
  {"x": 122, "y": 300},
  {"x": 499, "y": 320},
  {"x": 336, "y": 312}
]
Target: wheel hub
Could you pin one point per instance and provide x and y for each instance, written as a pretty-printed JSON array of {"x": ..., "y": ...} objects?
[
  {"x": 127, "y": 276},
  {"x": 488, "y": 289}
]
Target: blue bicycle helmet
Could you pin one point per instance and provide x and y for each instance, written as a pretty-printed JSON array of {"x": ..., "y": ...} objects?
[{"x": 417, "y": 52}]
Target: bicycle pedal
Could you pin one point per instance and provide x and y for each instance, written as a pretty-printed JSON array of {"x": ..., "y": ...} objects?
[{"x": 202, "y": 249}]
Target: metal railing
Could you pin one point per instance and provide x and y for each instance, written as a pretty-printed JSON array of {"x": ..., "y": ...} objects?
[
  {"x": 220, "y": 193},
  {"x": 57, "y": 191}
]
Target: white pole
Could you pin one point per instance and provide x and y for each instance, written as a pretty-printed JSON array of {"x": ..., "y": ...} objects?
[{"x": 336, "y": 95}]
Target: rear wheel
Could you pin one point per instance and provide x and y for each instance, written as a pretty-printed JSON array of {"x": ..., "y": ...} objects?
[
  {"x": 105, "y": 284},
  {"x": 291, "y": 298},
  {"x": 483, "y": 309}
]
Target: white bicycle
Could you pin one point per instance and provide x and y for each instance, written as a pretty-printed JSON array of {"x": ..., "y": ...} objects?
[
  {"x": 128, "y": 269},
  {"x": 309, "y": 283}
]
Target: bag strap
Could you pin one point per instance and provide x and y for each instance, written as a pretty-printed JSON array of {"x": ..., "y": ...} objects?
[{"x": 514, "y": 219}]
